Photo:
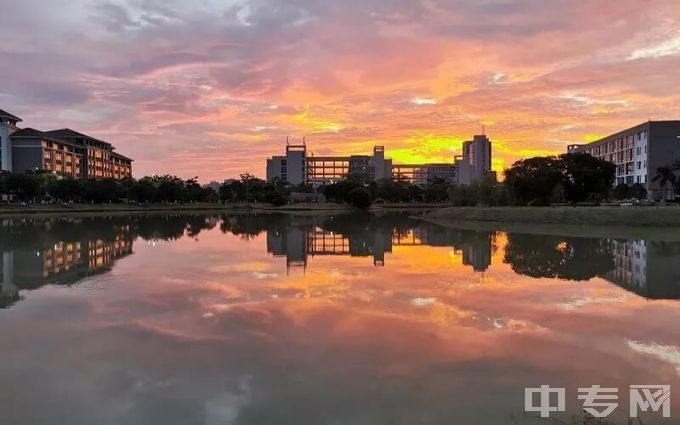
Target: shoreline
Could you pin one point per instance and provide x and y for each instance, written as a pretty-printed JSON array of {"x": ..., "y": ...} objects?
[
  {"x": 588, "y": 217},
  {"x": 100, "y": 209},
  {"x": 655, "y": 233}
]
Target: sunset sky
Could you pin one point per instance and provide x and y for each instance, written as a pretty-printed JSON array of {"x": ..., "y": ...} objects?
[{"x": 211, "y": 88}]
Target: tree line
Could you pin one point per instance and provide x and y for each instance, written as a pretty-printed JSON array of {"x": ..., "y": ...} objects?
[
  {"x": 45, "y": 186},
  {"x": 568, "y": 178}
]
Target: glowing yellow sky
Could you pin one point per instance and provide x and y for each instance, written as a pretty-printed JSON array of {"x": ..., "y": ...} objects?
[{"x": 213, "y": 88}]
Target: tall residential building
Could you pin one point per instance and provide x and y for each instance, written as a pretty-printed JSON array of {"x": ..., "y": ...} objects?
[
  {"x": 64, "y": 151},
  {"x": 475, "y": 163},
  {"x": 296, "y": 166},
  {"x": 638, "y": 152}
]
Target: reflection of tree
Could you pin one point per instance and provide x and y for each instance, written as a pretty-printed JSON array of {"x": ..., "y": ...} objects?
[
  {"x": 364, "y": 225},
  {"x": 160, "y": 227},
  {"x": 665, "y": 249},
  {"x": 39, "y": 233},
  {"x": 558, "y": 257},
  {"x": 248, "y": 225},
  {"x": 197, "y": 223}
]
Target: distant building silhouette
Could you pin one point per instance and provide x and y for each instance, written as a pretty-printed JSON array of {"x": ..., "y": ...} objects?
[{"x": 298, "y": 166}]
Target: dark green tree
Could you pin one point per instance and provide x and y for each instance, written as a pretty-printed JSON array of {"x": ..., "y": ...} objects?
[
  {"x": 622, "y": 191},
  {"x": 586, "y": 178},
  {"x": 360, "y": 198},
  {"x": 66, "y": 190},
  {"x": 638, "y": 191},
  {"x": 436, "y": 190},
  {"x": 142, "y": 190},
  {"x": 169, "y": 188},
  {"x": 25, "y": 187},
  {"x": 532, "y": 180}
]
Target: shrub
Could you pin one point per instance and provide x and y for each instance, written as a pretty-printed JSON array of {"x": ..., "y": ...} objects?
[{"x": 360, "y": 198}]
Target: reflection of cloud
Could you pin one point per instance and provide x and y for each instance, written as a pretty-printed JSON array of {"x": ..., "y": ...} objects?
[
  {"x": 423, "y": 101},
  {"x": 422, "y": 302},
  {"x": 505, "y": 323},
  {"x": 260, "y": 275},
  {"x": 588, "y": 300},
  {"x": 224, "y": 409},
  {"x": 666, "y": 353}
]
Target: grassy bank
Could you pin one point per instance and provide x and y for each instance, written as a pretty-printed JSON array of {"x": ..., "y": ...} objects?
[
  {"x": 653, "y": 223},
  {"x": 15, "y": 209},
  {"x": 668, "y": 216},
  {"x": 656, "y": 233},
  {"x": 52, "y": 209}
]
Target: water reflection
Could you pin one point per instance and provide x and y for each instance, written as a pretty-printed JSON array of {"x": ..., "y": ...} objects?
[
  {"x": 290, "y": 319},
  {"x": 36, "y": 252},
  {"x": 62, "y": 251}
]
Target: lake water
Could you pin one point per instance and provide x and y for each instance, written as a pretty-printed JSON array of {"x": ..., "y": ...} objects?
[{"x": 345, "y": 319}]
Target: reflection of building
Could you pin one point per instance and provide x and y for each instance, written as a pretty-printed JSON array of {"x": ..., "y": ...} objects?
[
  {"x": 478, "y": 255},
  {"x": 64, "y": 151},
  {"x": 650, "y": 269},
  {"x": 296, "y": 243},
  {"x": 64, "y": 262},
  {"x": 637, "y": 152},
  {"x": 296, "y": 166}
]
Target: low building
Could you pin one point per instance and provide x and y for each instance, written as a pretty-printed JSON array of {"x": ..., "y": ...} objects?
[
  {"x": 307, "y": 198},
  {"x": 66, "y": 152},
  {"x": 297, "y": 167},
  {"x": 638, "y": 152}
]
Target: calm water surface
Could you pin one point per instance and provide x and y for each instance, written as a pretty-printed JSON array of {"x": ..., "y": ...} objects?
[{"x": 354, "y": 319}]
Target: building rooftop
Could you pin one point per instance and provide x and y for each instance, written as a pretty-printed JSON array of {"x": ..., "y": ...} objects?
[
  {"x": 5, "y": 114},
  {"x": 621, "y": 133},
  {"x": 117, "y": 155},
  {"x": 33, "y": 133},
  {"x": 67, "y": 133}
]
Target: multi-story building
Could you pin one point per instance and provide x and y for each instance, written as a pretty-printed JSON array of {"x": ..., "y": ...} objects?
[
  {"x": 638, "y": 152},
  {"x": 64, "y": 152},
  {"x": 34, "y": 150},
  {"x": 420, "y": 174},
  {"x": 101, "y": 160},
  {"x": 297, "y": 167}
]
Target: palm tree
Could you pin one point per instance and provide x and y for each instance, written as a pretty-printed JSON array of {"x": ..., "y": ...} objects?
[{"x": 666, "y": 175}]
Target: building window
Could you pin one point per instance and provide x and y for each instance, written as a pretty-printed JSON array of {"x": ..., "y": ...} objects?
[{"x": 639, "y": 165}]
